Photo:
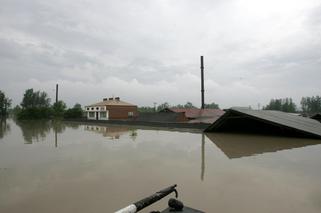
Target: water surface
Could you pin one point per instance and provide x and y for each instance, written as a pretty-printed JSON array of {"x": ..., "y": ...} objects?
[{"x": 68, "y": 167}]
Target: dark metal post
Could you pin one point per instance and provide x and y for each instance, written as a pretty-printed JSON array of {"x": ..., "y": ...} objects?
[
  {"x": 202, "y": 81},
  {"x": 56, "y": 93}
]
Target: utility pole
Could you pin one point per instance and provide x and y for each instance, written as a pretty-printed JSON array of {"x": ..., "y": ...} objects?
[{"x": 202, "y": 82}]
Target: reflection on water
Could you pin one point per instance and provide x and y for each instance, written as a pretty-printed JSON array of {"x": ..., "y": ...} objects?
[
  {"x": 100, "y": 169},
  {"x": 34, "y": 131},
  {"x": 4, "y": 127},
  {"x": 112, "y": 132},
  {"x": 242, "y": 145},
  {"x": 37, "y": 130}
]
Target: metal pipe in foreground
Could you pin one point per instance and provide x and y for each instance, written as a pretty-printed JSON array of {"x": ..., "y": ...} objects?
[{"x": 139, "y": 205}]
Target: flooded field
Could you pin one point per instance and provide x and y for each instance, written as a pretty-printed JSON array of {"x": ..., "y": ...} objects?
[{"x": 67, "y": 167}]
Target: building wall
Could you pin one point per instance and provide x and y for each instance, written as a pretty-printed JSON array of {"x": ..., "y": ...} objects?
[
  {"x": 112, "y": 112},
  {"x": 99, "y": 110},
  {"x": 122, "y": 112}
]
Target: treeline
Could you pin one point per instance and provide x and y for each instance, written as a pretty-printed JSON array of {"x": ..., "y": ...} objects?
[
  {"x": 5, "y": 104},
  {"x": 188, "y": 105},
  {"x": 36, "y": 105},
  {"x": 309, "y": 105}
]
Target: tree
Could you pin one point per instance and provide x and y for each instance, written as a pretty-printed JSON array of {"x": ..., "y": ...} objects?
[
  {"x": 146, "y": 109},
  {"x": 75, "y": 112},
  {"x": 36, "y": 99},
  {"x": 5, "y": 104},
  {"x": 59, "y": 109},
  {"x": 189, "y": 105},
  {"x": 211, "y": 106},
  {"x": 311, "y": 105},
  {"x": 34, "y": 105},
  {"x": 285, "y": 105},
  {"x": 162, "y": 106}
]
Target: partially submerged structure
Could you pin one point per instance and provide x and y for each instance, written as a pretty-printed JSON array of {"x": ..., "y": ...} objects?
[
  {"x": 195, "y": 115},
  {"x": 110, "y": 109},
  {"x": 266, "y": 122}
]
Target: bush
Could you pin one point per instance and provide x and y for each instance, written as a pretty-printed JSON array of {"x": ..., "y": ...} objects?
[
  {"x": 75, "y": 112},
  {"x": 34, "y": 113}
]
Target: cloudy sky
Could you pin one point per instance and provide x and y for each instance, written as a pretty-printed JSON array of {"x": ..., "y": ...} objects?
[{"x": 148, "y": 51}]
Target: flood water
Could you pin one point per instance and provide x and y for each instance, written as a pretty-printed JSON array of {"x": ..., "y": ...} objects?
[{"x": 69, "y": 167}]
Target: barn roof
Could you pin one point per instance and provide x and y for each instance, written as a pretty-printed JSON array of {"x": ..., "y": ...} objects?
[{"x": 276, "y": 122}]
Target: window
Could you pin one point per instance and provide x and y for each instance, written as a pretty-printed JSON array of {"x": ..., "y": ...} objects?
[
  {"x": 92, "y": 108},
  {"x": 97, "y": 108},
  {"x": 91, "y": 114},
  {"x": 130, "y": 114},
  {"x": 103, "y": 114},
  {"x": 87, "y": 108}
]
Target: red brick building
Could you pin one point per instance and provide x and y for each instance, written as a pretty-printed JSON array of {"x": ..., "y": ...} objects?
[{"x": 110, "y": 109}]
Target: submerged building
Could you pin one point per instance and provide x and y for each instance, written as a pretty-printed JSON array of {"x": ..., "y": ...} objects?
[
  {"x": 111, "y": 109},
  {"x": 271, "y": 122},
  {"x": 195, "y": 115}
]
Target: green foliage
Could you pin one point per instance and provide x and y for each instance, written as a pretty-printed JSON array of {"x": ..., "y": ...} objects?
[
  {"x": 75, "y": 112},
  {"x": 36, "y": 99},
  {"x": 285, "y": 105},
  {"x": 211, "y": 106},
  {"x": 5, "y": 104},
  {"x": 146, "y": 109},
  {"x": 35, "y": 113},
  {"x": 34, "y": 105},
  {"x": 189, "y": 105},
  {"x": 162, "y": 106},
  {"x": 311, "y": 105},
  {"x": 59, "y": 109}
]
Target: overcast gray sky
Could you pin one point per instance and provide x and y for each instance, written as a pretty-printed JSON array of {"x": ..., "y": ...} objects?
[{"x": 148, "y": 51}]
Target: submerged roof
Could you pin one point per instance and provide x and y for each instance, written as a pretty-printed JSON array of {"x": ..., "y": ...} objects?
[
  {"x": 113, "y": 102},
  {"x": 244, "y": 119},
  {"x": 198, "y": 115}
]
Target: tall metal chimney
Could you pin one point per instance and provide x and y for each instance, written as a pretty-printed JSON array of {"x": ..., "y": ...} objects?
[
  {"x": 202, "y": 82},
  {"x": 56, "y": 93}
]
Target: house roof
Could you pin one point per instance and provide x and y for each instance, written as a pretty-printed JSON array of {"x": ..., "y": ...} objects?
[
  {"x": 197, "y": 113},
  {"x": 113, "y": 102},
  {"x": 241, "y": 118}
]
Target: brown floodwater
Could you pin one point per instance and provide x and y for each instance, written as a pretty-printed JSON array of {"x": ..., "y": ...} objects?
[{"x": 68, "y": 167}]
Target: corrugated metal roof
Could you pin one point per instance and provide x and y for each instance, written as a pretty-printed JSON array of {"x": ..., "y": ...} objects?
[
  {"x": 276, "y": 118},
  {"x": 113, "y": 102}
]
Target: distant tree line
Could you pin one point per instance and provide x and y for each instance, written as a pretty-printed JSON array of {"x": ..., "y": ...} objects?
[
  {"x": 309, "y": 105},
  {"x": 36, "y": 105},
  {"x": 285, "y": 105},
  {"x": 188, "y": 105}
]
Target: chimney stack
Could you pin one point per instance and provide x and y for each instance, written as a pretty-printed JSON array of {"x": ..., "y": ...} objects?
[
  {"x": 202, "y": 83},
  {"x": 56, "y": 93}
]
